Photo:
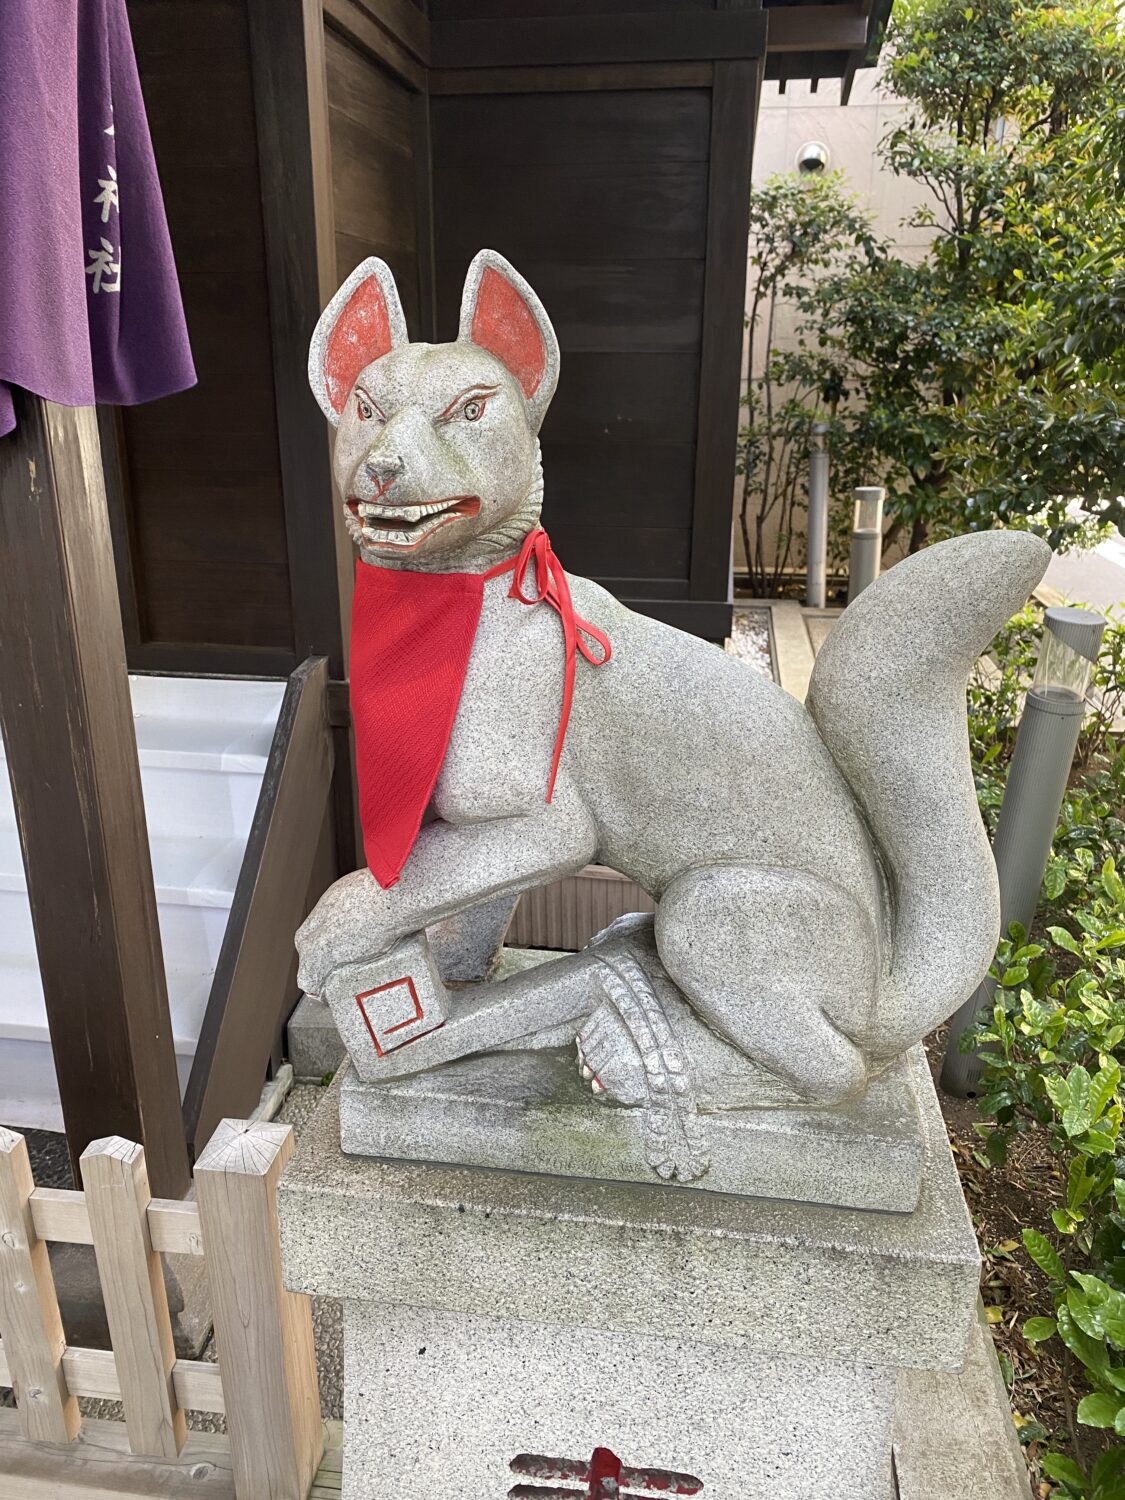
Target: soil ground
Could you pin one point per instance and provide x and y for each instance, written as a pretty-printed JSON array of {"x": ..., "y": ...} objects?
[{"x": 1001, "y": 1201}]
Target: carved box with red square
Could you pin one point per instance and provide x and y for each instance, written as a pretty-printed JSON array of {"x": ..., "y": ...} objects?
[{"x": 382, "y": 1004}]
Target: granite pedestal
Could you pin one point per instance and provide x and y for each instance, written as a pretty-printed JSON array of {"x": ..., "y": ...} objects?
[
  {"x": 532, "y": 1112},
  {"x": 749, "y": 1342}
]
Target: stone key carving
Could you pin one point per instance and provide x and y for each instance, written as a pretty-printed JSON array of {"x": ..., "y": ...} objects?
[{"x": 825, "y": 890}]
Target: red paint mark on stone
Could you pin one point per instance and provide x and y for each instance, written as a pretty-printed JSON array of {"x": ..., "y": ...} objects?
[
  {"x": 385, "y": 1038},
  {"x": 505, "y": 326},
  {"x": 604, "y": 1478},
  {"x": 360, "y": 334},
  {"x": 605, "y": 1475}
]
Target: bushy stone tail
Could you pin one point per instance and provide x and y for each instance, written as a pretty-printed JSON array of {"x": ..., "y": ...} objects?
[{"x": 888, "y": 698}]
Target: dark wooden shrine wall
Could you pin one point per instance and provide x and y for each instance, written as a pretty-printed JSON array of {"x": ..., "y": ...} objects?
[
  {"x": 600, "y": 200},
  {"x": 372, "y": 122},
  {"x": 201, "y": 470}
]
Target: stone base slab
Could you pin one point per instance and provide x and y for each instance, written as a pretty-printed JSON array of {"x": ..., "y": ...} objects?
[
  {"x": 530, "y": 1111},
  {"x": 735, "y": 1272},
  {"x": 440, "y": 1404}
]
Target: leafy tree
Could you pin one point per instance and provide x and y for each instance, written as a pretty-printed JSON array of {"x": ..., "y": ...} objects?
[
  {"x": 800, "y": 228},
  {"x": 991, "y": 372}
]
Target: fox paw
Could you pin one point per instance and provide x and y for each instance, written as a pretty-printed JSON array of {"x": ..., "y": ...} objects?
[{"x": 610, "y": 1060}]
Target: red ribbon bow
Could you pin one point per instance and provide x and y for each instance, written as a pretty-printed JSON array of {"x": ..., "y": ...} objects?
[{"x": 553, "y": 587}]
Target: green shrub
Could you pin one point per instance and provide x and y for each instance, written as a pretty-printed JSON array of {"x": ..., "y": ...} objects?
[{"x": 1055, "y": 1047}]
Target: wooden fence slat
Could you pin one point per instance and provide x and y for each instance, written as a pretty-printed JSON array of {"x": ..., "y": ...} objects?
[
  {"x": 99, "y": 1466},
  {"x": 136, "y": 1304},
  {"x": 93, "y": 1372},
  {"x": 61, "y": 1214},
  {"x": 263, "y": 1332},
  {"x": 29, "y": 1310},
  {"x": 174, "y": 1226}
]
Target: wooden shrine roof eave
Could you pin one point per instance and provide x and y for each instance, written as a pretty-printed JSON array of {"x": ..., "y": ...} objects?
[{"x": 824, "y": 40}]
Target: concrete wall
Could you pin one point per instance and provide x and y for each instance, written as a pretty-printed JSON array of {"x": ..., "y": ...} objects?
[{"x": 851, "y": 132}]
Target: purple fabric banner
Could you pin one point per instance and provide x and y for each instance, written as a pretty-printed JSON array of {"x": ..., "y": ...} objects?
[{"x": 90, "y": 306}]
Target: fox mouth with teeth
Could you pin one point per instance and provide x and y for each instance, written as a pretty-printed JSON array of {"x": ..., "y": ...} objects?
[{"x": 404, "y": 528}]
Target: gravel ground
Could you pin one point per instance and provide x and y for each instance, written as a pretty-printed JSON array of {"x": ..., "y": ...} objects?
[{"x": 750, "y": 640}]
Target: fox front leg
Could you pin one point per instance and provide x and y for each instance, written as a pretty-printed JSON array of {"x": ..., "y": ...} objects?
[{"x": 452, "y": 867}]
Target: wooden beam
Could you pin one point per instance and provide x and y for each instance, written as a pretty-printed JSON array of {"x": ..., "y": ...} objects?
[
  {"x": 72, "y": 756},
  {"x": 382, "y": 29},
  {"x": 251, "y": 987},
  {"x": 100, "y": 1467},
  {"x": 424, "y": 211},
  {"x": 816, "y": 28},
  {"x": 683, "y": 75},
  {"x": 93, "y": 1373},
  {"x": 733, "y": 109},
  {"x": 554, "y": 41},
  {"x": 60, "y": 1214},
  {"x": 294, "y": 150}
]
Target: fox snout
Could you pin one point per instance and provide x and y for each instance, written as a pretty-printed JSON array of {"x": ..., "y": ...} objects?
[
  {"x": 405, "y": 462},
  {"x": 383, "y": 469}
]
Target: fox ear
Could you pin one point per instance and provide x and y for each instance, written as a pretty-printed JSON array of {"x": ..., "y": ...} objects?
[
  {"x": 500, "y": 313},
  {"x": 362, "y": 322}
]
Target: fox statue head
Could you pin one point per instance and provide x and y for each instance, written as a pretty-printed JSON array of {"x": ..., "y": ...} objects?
[{"x": 437, "y": 453}]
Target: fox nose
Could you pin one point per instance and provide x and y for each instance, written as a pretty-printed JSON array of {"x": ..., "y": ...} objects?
[{"x": 384, "y": 468}]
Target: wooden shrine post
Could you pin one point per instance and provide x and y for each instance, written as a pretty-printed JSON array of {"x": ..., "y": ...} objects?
[{"x": 72, "y": 754}]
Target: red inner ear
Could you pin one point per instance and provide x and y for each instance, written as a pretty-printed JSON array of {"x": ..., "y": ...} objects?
[
  {"x": 360, "y": 334},
  {"x": 505, "y": 326}
]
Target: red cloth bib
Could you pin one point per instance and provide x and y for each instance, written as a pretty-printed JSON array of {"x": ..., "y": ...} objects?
[{"x": 411, "y": 639}]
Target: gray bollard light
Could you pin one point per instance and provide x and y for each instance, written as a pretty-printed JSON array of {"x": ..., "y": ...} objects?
[
  {"x": 1044, "y": 751},
  {"x": 867, "y": 538},
  {"x": 816, "y": 589}
]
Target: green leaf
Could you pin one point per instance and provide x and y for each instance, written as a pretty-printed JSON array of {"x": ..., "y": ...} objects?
[
  {"x": 1092, "y": 1352},
  {"x": 1099, "y": 1142},
  {"x": 1044, "y": 1254},
  {"x": 1057, "y": 1091},
  {"x": 1013, "y": 976},
  {"x": 1035, "y": 1330},
  {"x": 1078, "y": 1185},
  {"x": 1077, "y": 1116},
  {"x": 1083, "y": 1314},
  {"x": 1099, "y": 1409},
  {"x": 1058, "y": 1466},
  {"x": 1104, "y": 1086},
  {"x": 1062, "y": 939}
]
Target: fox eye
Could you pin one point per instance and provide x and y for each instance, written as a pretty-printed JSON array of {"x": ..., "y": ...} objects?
[
  {"x": 469, "y": 406},
  {"x": 365, "y": 408}
]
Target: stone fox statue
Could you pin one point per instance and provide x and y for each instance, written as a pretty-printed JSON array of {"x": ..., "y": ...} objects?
[{"x": 825, "y": 893}]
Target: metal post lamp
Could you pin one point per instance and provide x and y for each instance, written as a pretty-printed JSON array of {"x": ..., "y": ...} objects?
[
  {"x": 815, "y": 592},
  {"x": 867, "y": 538},
  {"x": 1037, "y": 777}
]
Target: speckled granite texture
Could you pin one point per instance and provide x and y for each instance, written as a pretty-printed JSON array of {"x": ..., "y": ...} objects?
[
  {"x": 530, "y": 1110},
  {"x": 753, "y": 1342}
]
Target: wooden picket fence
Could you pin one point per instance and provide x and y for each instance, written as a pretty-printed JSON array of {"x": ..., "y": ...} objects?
[{"x": 264, "y": 1382}]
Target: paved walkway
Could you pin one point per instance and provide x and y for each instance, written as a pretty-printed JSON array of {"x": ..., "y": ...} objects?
[{"x": 1095, "y": 578}]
